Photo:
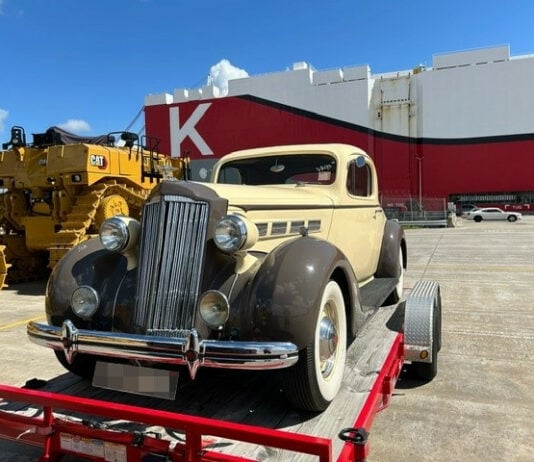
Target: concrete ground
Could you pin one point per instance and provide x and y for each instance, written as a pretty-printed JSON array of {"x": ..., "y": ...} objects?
[{"x": 480, "y": 407}]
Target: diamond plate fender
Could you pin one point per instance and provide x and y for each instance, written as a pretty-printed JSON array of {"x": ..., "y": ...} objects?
[{"x": 422, "y": 313}]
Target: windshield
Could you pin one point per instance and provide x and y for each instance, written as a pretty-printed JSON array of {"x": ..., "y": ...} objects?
[{"x": 286, "y": 169}]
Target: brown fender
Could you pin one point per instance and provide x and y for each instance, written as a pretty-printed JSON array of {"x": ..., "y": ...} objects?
[
  {"x": 90, "y": 264},
  {"x": 389, "y": 253},
  {"x": 287, "y": 290}
]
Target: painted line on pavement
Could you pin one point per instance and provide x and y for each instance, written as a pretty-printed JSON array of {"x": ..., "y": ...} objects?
[{"x": 19, "y": 323}]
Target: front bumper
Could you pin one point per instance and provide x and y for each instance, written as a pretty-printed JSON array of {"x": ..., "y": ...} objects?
[{"x": 189, "y": 350}]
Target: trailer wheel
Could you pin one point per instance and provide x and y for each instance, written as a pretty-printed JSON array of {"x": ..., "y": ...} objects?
[
  {"x": 427, "y": 371},
  {"x": 316, "y": 378},
  {"x": 83, "y": 365}
]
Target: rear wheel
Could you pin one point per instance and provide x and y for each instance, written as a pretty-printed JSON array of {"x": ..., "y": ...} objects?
[
  {"x": 316, "y": 378},
  {"x": 512, "y": 218}
]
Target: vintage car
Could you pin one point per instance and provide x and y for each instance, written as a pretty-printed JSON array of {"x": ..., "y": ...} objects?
[{"x": 276, "y": 263}]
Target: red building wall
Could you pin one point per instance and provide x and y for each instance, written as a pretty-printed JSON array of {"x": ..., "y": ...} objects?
[{"x": 406, "y": 166}]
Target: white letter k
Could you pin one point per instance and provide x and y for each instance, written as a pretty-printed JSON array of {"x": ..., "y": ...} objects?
[{"x": 178, "y": 134}]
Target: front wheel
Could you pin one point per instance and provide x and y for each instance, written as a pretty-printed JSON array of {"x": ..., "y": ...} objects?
[
  {"x": 478, "y": 219},
  {"x": 512, "y": 218},
  {"x": 316, "y": 378}
]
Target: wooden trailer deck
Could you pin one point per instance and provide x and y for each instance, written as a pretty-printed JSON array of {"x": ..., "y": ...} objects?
[{"x": 251, "y": 398}]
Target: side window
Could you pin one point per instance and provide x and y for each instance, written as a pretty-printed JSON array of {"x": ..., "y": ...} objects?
[{"x": 359, "y": 179}]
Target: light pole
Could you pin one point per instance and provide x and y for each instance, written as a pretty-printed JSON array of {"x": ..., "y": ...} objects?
[{"x": 420, "y": 158}]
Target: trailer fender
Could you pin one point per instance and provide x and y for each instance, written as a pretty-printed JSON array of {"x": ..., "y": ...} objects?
[{"x": 422, "y": 328}]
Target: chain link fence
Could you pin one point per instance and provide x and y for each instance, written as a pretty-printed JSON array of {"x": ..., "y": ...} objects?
[{"x": 408, "y": 210}]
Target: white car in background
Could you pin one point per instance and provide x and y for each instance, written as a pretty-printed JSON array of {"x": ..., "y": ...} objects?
[{"x": 492, "y": 213}]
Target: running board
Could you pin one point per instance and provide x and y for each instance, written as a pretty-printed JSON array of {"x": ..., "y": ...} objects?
[{"x": 376, "y": 292}]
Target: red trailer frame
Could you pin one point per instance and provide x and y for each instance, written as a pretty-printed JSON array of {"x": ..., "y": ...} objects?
[{"x": 59, "y": 436}]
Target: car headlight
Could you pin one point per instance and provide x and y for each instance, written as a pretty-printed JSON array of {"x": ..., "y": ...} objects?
[
  {"x": 84, "y": 302},
  {"x": 119, "y": 233},
  {"x": 233, "y": 233},
  {"x": 213, "y": 308}
]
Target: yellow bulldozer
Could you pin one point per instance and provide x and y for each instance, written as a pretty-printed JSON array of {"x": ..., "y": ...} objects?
[{"x": 56, "y": 191}]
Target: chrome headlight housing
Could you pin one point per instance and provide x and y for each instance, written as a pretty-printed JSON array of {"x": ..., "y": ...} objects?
[
  {"x": 214, "y": 308},
  {"x": 84, "y": 302},
  {"x": 119, "y": 233},
  {"x": 233, "y": 233}
]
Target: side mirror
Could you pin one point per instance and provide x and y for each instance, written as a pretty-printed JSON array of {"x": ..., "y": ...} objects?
[{"x": 360, "y": 161}]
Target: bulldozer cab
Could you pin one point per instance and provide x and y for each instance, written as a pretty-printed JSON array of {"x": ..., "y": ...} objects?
[{"x": 18, "y": 138}]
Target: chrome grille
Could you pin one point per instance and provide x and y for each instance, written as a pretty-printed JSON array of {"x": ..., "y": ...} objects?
[{"x": 171, "y": 256}]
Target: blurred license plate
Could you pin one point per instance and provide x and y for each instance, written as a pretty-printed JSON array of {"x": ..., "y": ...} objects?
[{"x": 147, "y": 381}]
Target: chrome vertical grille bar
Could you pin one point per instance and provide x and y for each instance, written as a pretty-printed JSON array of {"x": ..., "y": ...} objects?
[{"x": 171, "y": 256}]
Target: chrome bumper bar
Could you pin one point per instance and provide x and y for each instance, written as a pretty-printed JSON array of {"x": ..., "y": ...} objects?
[{"x": 190, "y": 350}]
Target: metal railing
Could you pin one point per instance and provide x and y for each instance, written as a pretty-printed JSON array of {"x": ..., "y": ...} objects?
[{"x": 410, "y": 211}]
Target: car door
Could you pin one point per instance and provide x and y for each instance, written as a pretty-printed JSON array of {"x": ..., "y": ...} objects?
[
  {"x": 360, "y": 220},
  {"x": 493, "y": 214}
]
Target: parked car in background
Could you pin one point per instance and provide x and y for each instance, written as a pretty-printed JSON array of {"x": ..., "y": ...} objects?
[
  {"x": 462, "y": 209},
  {"x": 492, "y": 213}
]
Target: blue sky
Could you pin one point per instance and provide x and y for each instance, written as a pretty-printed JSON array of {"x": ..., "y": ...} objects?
[{"x": 87, "y": 65}]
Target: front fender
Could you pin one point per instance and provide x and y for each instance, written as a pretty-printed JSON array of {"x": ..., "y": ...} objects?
[
  {"x": 89, "y": 264},
  {"x": 287, "y": 289}
]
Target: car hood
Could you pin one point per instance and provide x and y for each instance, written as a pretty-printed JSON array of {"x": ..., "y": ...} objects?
[{"x": 250, "y": 197}]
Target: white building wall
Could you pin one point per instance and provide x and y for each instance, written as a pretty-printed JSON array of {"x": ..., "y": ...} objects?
[
  {"x": 470, "y": 57},
  {"x": 478, "y": 100},
  {"x": 283, "y": 85},
  {"x": 469, "y": 94},
  {"x": 392, "y": 102},
  {"x": 327, "y": 94}
]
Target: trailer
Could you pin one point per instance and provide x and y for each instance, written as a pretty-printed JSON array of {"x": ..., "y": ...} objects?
[{"x": 243, "y": 420}]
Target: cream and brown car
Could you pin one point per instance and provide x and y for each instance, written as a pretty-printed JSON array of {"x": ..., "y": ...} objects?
[{"x": 277, "y": 263}]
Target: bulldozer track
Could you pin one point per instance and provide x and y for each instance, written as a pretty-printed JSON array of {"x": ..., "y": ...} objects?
[
  {"x": 81, "y": 223},
  {"x": 4, "y": 266}
]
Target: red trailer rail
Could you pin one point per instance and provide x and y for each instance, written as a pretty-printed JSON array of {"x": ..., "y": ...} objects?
[
  {"x": 58, "y": 435},
  {"x": 59, "y": 423}
]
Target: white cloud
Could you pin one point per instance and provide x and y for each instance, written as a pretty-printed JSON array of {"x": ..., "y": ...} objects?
[
  {"x": 221, "y": 73},
  {"x": 3, "y": 112},
  {"x": 1, "y": 7},
  {"x": 75, "y": 125}
]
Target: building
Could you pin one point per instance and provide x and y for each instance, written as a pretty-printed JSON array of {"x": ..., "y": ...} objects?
[{"x": 460, "y": 130}]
